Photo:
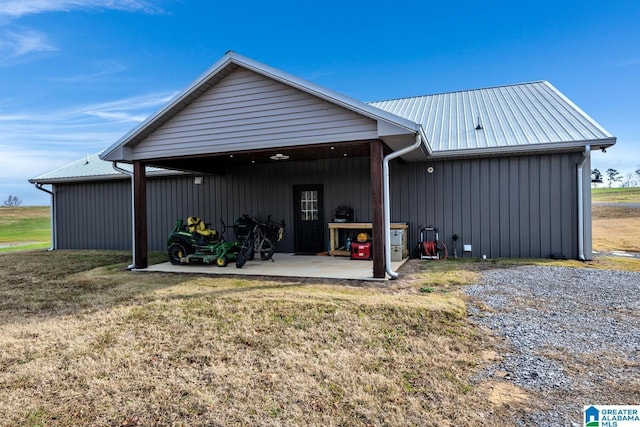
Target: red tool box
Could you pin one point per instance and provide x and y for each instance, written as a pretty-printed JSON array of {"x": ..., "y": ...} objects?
[{"x": 361, "y": 250}]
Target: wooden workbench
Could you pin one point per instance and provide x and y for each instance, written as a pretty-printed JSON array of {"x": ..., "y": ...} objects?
[{"x": 335, "y": 227}]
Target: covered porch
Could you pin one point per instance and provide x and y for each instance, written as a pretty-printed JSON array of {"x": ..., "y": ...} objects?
[{"x": 241, "y": 122}]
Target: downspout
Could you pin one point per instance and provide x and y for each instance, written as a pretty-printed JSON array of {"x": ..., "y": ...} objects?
[
  {"x": 387, "y": 202},
  {"x": 585, "y": 156},
  {"x": 54, "y": 231},
  {"x": 133, "y": 215}
]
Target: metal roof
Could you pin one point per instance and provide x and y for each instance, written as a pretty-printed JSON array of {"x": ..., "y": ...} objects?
[
  {"x": 90, "y": 168},
  {"x": 500, "y": 119}
]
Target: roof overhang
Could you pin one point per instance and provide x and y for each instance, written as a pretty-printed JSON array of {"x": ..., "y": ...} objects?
[{"x": 104, "y": 177}]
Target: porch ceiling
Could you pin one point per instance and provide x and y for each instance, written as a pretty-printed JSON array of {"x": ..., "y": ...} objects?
[{"x": 218, "y": 163}]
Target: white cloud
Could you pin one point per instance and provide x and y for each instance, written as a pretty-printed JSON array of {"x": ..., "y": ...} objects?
[
  {"x": 15, "y": 44},
  {"x": 17, "y": 166},
  {"x": 11, "y": 117},
  {"x": 18, "y": 8},
  {"x": 27, "y": 163},
  {"x": 84, "y": 129},
  {"x": 34, "y": 142},
  {"x": 119, "y": 116},
  {"x": 105, "y": 68},
  {"x": 134, "y": 109}
]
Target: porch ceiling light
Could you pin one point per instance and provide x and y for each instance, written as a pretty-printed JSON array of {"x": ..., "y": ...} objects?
[{"x": 279, "y": 156}]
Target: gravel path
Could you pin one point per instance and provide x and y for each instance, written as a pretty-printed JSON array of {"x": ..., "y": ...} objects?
[{"x": 573, "y": 336}]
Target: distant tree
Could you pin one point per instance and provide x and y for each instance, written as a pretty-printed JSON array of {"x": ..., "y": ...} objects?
[
  {"x": 614, "y": 176},
  {"x": 638, "y": 173},
  {"x": 596, "y": 176},
  {"x": 628, "y": 180},
  {"x": 12, "y": 201}
]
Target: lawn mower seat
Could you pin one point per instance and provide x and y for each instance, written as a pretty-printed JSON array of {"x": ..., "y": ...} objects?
[{"x": 200, "y": 229}]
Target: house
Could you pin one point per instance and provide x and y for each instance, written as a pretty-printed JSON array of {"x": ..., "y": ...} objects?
[{"x": 502, "y": 167}]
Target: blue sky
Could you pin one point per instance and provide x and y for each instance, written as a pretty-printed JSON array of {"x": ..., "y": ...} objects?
[{"x": 76, "y": 75}]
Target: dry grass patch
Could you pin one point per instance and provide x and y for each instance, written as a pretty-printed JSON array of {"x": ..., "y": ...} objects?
[
  {"x": 616, "y": 228},
  {"x": 85, "y": 343},
  {"x": 8, "y": 214}
]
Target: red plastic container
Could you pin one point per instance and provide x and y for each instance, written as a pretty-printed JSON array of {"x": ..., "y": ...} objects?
[{"x": 361, "y": 250}]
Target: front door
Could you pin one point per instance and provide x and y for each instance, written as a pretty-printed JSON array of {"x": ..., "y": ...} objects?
[{"x": 309, "y": 219}]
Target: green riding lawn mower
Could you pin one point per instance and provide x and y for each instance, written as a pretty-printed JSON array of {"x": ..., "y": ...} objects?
[{"x": 197, "y": 242}]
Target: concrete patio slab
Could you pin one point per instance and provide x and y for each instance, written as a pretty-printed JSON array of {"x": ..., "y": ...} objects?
[{"x": 286, "y": 265}]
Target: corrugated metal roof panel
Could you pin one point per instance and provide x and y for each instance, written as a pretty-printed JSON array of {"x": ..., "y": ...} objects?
[
  {"x": 91, "y": 167},
  {"x": 517, "y": 115}
]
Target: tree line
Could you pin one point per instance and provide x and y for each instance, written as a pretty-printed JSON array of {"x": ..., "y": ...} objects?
[
  {"x": 12, "y": 201},
  {"x": 615, "y": 177}
]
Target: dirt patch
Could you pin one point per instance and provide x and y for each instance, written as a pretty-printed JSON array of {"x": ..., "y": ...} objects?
[{"x": 506, "y": 394}]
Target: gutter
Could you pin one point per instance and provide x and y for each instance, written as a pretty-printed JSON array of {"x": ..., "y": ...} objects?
[
  {"x": 585, "y": 155},
  {"x": 386, "y": 203},
  {"x": 133, "y": 215},
  {"x": 528, "y": 149},
  {"x": 54, "y": 231}
]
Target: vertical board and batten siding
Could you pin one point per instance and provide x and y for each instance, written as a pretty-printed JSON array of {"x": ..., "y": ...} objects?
[
  {"x": 523, "y": 206},
  {"x": 97, "y": 215},
  {"x": 94, "y": 215},
  {"x": 519, "y": 206},
  {"x": 247, "y": 111}
]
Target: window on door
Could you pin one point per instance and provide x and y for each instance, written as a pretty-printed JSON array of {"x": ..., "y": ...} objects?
[{"x": 309, "y": 205}]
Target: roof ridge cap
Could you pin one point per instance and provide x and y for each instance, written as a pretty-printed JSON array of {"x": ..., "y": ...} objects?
[{"x": 459, "y": 91}]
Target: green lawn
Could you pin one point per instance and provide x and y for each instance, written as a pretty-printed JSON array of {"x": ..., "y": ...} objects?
[
  {"x": 25, "y": 224},
  {"x": 616, "y": 195}
]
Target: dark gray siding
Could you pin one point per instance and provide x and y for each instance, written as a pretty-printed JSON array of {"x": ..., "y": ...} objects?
[
  {"x": 94, "y": 215},
  {"x": 97, "y": 215},
  {"x": 504, "y": 207}
]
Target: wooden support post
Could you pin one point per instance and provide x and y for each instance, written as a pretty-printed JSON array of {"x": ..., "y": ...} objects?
[
  {"x": 140, "y": 209},
  {"x": 377, "y": 210}
]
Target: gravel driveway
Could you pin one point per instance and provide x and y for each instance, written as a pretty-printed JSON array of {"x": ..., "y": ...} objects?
[{"x": 572, "y": 337}]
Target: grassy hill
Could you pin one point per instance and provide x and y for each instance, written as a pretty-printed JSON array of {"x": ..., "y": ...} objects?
[
  {"x": 616, "y": 195},
  {"x": 27, "y": 227}
]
